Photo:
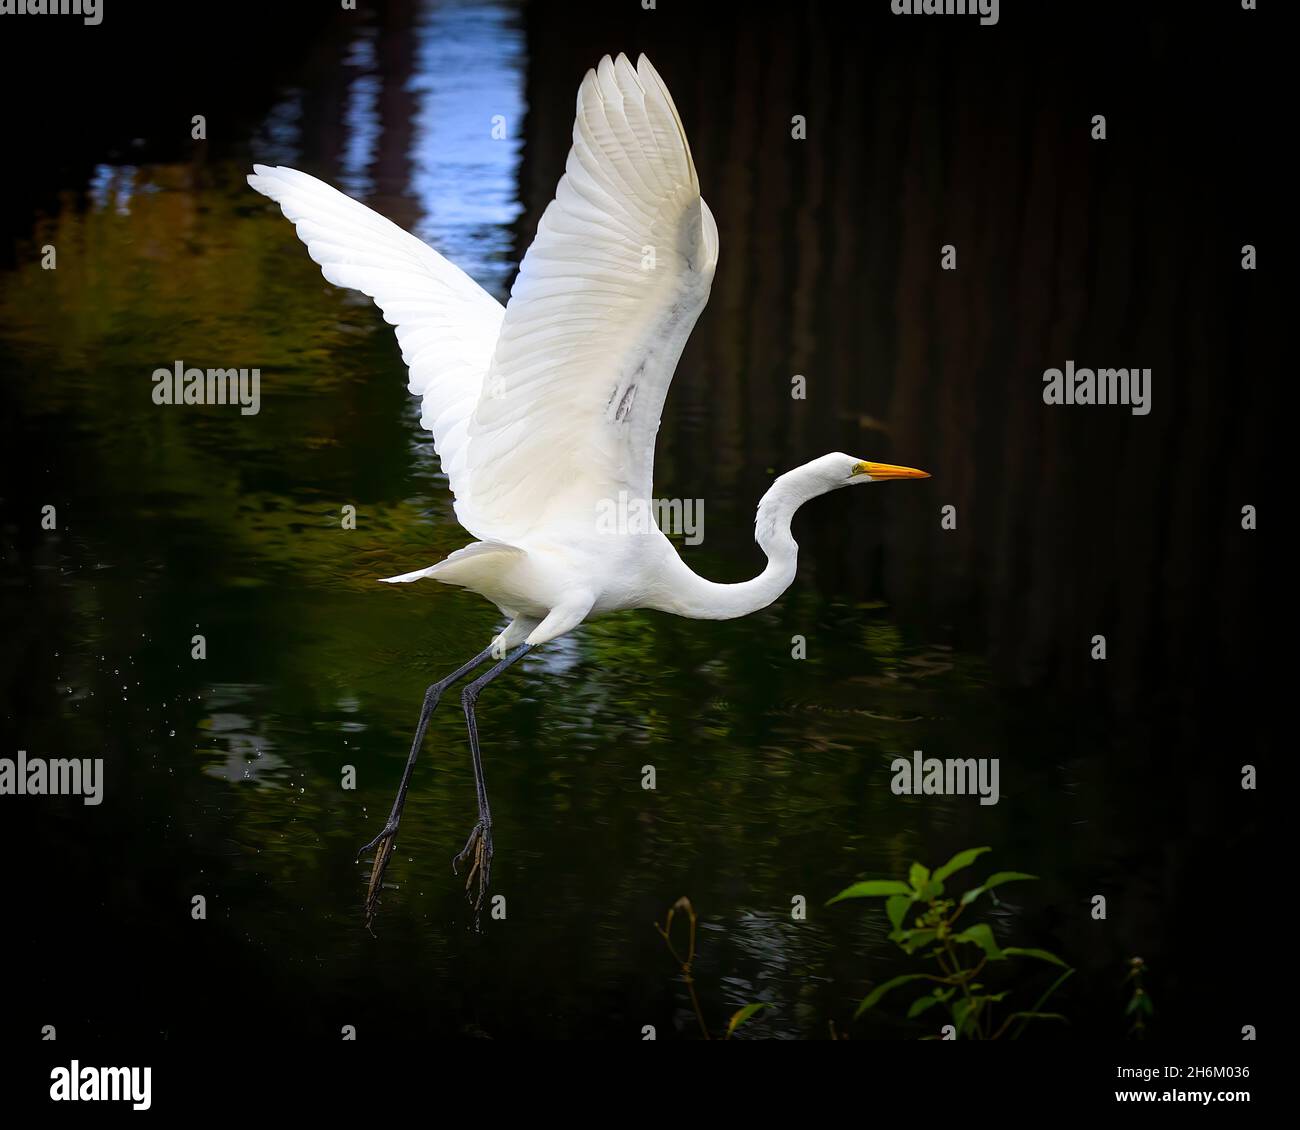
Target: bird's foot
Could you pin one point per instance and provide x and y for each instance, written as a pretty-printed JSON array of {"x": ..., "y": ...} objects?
[
  {"x": 383, "y": 845},
  {"x": 479, "y": 848},
  {"x": 388, "y": 831}
]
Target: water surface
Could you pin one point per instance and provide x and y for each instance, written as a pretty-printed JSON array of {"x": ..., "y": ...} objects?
[{"x": 224, "y": 775}]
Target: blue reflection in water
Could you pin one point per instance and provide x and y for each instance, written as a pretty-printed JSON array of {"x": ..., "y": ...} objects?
[
  {"x": 278, "y": 141},
  {"x": 113, "y": 186},
  {"x": 361, "y": 117},
  {"x": 469, "y": 75}
]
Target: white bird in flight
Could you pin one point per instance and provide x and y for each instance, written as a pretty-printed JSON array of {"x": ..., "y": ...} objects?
[{"x": 546, "y": 409}]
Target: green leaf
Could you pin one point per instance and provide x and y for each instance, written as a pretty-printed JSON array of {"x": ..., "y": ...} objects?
[
  {"x": 980, "y": 935},
  {"x": 1140, "y": 1002},
  {"x": 1000, "y": 877},
  {"x": 872, "y": 888},
  {"x": 960, "y": 860},
  {"x": 913, "y": 940},
  {"x": 918, "y": 876},
  {"x": 920, "y": 1005},
  {"x": 1042, "y": 955},
  {"x": 965, "y": 1012},
  {"x": 896, "y": 907},
  {"x": 741, "y": 1016},
  {"x": 873, "y": 998},
  {"x": 994, "y": 880}
]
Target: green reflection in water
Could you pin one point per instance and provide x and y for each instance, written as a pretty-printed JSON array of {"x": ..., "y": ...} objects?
[{"x": 772, "y": 773}]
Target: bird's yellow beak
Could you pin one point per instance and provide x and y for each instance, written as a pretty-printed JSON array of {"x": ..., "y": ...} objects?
[{"x": 879, "y": 471}]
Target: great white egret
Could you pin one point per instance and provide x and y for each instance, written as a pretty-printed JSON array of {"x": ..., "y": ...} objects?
[{"x": 545, "y": 410}]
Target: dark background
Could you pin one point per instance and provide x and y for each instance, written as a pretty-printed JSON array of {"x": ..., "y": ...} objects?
[{"x": 1123, "y": 775}]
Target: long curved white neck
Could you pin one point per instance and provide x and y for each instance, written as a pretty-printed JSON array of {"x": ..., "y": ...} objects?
[{"x": 694, "y": 596}]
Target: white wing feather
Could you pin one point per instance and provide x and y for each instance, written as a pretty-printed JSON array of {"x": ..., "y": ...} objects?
[
  {"x": 598, "y": 316},
  {"x": 542, "y": 410},
  {"x": 446, "y": 324}
]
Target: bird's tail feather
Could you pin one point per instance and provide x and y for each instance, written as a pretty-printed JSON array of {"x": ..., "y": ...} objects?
[
  {"x": 403, "y": 578},
  {"x": 463, "y": 566}
]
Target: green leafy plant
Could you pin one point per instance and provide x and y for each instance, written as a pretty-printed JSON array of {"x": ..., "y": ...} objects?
[
  {"x": 1139, "y": 1007},
  {"x": 686, "y": 960},
  {"x": 961, "y": 953}
]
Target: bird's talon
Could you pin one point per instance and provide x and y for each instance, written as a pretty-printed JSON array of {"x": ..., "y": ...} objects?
[
  {"x": 479, "y": 845},
  {"x": 389, "y": 830}
]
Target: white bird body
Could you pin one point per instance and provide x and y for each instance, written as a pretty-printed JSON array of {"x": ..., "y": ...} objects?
[{"x": 546, "y": 410}]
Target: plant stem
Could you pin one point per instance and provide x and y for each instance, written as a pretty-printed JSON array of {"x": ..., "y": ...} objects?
[
  {"x": 1041, "y": 1001},
  {"x": 971, "y": 1010},
  {"x": 665, "y": 931}
]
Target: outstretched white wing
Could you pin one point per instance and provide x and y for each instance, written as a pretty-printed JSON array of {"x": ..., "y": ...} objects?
[
  {"x": 598, "y": 316},
  {"x": 447, "y": 325}
]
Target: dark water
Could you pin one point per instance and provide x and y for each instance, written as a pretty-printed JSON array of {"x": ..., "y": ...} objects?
[{"x": 223, "y": 775}]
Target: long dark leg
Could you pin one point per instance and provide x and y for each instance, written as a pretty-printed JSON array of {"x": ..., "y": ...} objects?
[
  {"x": 479, "y": 844},
  {"x": 384, "y": 842}
]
